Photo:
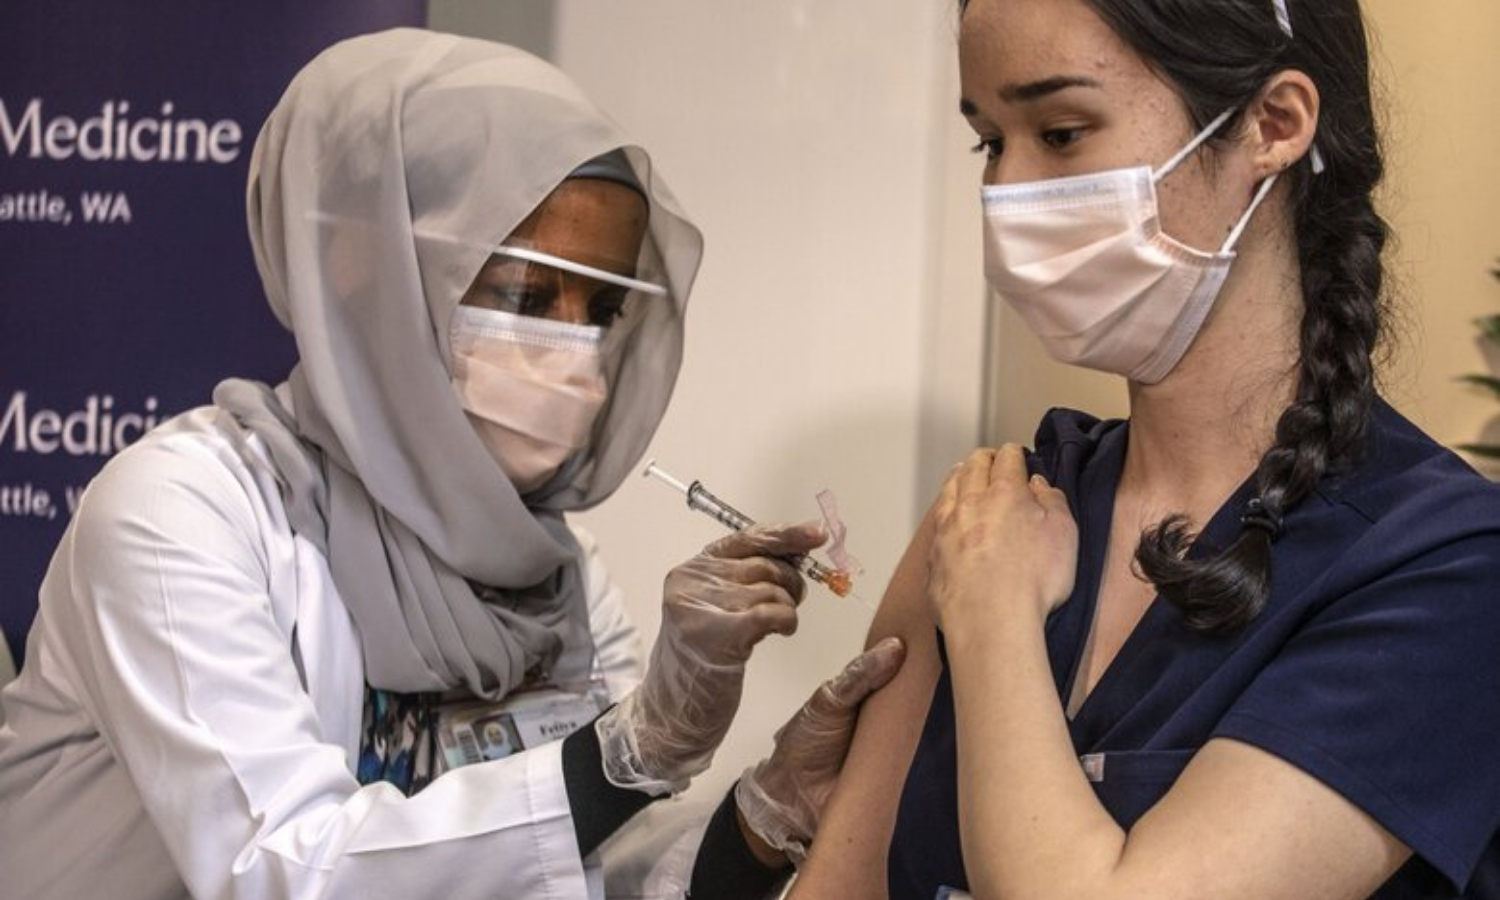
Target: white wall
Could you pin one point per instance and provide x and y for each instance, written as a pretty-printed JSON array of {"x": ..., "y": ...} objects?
[{"x": 811, "y": 140}]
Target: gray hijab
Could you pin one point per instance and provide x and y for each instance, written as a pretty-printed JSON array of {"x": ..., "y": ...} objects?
[{"x": 391, "y": 168}]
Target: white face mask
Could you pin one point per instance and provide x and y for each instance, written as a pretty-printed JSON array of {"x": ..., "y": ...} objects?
[
  {"x": 532, "y": 388},
  {"x": 1086, "y": 264}
]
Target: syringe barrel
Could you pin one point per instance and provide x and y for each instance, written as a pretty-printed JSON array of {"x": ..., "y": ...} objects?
[{"x": 700, "y": 499}]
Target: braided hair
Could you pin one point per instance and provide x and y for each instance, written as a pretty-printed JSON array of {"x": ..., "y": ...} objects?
[{"x": 1217, "y": 55}]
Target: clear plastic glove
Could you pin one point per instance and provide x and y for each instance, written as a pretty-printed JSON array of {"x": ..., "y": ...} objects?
[
  {"x": 715, "y": 608},
  {"x": 782, "y": 797}
]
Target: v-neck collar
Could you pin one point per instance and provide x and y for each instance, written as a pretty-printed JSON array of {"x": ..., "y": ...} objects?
[{"x": 1094, "y": 510}]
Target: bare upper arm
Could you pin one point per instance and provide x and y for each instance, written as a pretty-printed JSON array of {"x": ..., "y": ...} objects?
[
  {"x": 1253, "y": 825},
  {"x": 848, "y": 857}
]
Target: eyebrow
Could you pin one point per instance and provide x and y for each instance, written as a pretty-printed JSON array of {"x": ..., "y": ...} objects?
[{"x": 1035, "y": 90}]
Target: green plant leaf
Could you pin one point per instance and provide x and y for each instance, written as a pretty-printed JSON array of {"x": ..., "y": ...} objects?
[
  {"x": 1490, "y": 325},
  {"x": 1489, "y": 382},
  {"x": 1488, "y": 451}
]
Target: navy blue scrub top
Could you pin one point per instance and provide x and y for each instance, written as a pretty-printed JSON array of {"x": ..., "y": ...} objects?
[{"x": 1375, "y": 666}]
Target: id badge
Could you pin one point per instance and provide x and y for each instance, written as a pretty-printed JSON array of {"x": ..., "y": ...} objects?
[{"x": 471, "y": 731}]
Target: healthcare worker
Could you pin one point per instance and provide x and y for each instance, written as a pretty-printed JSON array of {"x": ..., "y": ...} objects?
[
  {"x": 260, "y": 635},
  {"x": 1242, "y": 644}
]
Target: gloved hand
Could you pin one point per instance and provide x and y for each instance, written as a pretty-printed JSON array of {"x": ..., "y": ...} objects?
[
  {"x": 782, "y": 797},
  {"x": 716, "y": 607}
]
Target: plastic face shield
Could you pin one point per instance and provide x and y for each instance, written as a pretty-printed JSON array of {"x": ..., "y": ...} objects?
[{"x": 524, "y": 280}]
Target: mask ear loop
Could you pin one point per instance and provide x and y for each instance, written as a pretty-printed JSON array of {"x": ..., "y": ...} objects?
[
  {"x": 1239, "y": 228},
  {"x": 1260, "y": 192},
  {"x": 1208, "y": 131}
]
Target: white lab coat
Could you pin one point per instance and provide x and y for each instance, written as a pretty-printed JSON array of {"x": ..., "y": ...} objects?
[{"x": 188, "y": 716}]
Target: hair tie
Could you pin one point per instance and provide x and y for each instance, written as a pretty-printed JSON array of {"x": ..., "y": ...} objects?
[
  {"x": 1283, "y": 16},
  {"x": 1256, "y": 515}
]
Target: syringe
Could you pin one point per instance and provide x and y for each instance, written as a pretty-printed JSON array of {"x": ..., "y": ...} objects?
[{"x": 699, "y": 498}]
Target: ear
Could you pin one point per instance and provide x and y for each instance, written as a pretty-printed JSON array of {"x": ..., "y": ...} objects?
[{"x": 1282, "y": 121}]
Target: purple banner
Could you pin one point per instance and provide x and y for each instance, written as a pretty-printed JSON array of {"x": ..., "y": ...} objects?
[{"x": 127, "y": 287}]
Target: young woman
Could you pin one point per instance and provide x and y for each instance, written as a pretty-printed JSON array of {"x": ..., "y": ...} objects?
[
  {"x": 251, "y": 639},
  {"x": 1242, "y": 644}
]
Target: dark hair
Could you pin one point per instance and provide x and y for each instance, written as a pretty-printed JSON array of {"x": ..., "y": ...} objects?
[{"x": 1217, "y": 55}]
